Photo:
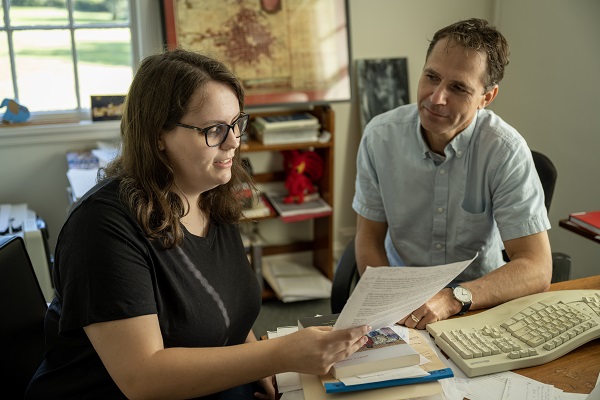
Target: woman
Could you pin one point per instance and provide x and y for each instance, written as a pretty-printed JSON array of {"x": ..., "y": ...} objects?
[{"x": 155, "y": 295}]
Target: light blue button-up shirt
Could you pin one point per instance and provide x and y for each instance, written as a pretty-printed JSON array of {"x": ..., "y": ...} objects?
[{"x": 443, "y": 209}]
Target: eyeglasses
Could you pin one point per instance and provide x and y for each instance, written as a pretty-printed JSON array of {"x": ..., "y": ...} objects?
[{"x": 215, "y": 135}]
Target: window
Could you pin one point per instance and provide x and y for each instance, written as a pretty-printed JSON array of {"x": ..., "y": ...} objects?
[{"x": 56, "y": 54}]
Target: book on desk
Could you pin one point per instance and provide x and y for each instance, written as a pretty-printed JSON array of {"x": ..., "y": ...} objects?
[
  {"x": 385, "y": 349},
  {"x": 318, "y": 387},
  {"x": 589, "y": 220}
]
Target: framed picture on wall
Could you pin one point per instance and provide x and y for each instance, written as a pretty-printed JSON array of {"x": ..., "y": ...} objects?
[
  {"x": 284, "y": 51},
  {"x": 382, "y": 86}
]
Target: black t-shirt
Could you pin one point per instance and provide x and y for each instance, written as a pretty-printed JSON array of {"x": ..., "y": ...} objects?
[{"x": 204, "y": 292}]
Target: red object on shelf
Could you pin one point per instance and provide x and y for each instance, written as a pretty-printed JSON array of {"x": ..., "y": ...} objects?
[{"x": 589, "y": 220}]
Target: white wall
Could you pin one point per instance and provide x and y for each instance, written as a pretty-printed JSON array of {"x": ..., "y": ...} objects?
[{"x": 549, "y": 94}]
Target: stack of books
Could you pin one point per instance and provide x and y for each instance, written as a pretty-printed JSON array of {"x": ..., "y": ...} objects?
[
  {"x": 285, "y": 129},
  {"x": 589, "y": 220},
  {"x": 414, "y": 381}
]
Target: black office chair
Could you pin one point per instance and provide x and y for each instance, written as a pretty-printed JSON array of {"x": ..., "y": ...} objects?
[
  {"x": 346, "y": 274},
  {"x": 22, "y": 320}
]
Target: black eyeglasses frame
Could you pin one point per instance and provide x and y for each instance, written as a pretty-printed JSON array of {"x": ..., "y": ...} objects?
[{"x": 230, "y": 127}]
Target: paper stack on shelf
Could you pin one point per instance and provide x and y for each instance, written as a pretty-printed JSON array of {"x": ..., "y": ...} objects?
[
  {"x": 292, "y": 281},
  {"x": 283, "y": 129},
  {"x": 259, "y": 208}
]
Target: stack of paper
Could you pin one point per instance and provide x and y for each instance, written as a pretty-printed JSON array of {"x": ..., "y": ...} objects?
[
  {"x": 282, "y": 129},
  {"x": 293, "y": 281},
  {"x": 312, "y": 207}
]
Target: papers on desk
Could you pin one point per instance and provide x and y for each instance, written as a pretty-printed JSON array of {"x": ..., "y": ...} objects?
[
  {"x": 385, "y": 295},
  {"x": 81, "y": 180},
  {"x": 286, "y": 381}
]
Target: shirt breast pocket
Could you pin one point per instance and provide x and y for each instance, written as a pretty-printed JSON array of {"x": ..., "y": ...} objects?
[{"x": 474, "y": 231}]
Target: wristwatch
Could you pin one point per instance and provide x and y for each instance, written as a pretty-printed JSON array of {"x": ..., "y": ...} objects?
[{"x": 464, "y": 297}]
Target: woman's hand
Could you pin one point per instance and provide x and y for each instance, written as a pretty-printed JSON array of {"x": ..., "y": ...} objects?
[{"x": 314, "y": 350}]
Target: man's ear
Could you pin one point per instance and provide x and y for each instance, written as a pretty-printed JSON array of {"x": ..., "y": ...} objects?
[{"x": 488, "y": 97}]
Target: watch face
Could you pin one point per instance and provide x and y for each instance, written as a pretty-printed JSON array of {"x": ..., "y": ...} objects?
[{"x": 462, "y": 294}]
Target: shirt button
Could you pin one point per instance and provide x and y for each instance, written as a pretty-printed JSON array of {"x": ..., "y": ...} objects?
[
  {"x": 459, "y": 153},
  {"x": 442, "y": 172},
  {"x": 438, "y": 246},
  {"x": 440, "y": 210}
]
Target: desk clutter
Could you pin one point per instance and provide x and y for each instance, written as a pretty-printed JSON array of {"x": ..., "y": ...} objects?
[
  {"x": 20, "y": 220},
  {"x": 83, "y": 167},
  {"x": 455, "y": 385}
]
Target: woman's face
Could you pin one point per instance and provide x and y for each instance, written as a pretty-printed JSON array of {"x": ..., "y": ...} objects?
[{"x": 199, "y": 168}]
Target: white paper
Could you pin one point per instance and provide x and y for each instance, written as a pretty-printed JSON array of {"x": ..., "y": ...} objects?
[
  {"x": 82, "y": 180},
  {"x": 412, "y": 371},
  {"x": 385, "y": 295},
  {"x": 286, "y": 381}
]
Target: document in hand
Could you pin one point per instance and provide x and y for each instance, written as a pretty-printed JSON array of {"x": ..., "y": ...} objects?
[{"x": 385, "y": 295}]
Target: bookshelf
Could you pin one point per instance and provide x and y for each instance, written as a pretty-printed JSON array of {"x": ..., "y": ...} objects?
[{"x": 321, "y": 243}]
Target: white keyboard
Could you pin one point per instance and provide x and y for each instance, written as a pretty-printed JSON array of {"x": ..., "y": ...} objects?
[{"x": 524, "y": 332}]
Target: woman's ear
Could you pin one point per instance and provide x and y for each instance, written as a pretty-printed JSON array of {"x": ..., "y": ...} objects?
[{"x": 161, "y": 143}]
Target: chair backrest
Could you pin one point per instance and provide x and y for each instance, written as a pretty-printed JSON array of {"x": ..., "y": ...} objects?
[
  {"x": 22, "y": 319},
  {"x": 345, "y": 278},
  {"x": 548, "y": 175}
]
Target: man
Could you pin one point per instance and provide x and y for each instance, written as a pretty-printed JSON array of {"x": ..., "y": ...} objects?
[{"x": 444, "y": 179}]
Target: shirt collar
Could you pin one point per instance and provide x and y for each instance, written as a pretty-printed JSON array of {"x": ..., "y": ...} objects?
[{"x": 459, "y": 144}]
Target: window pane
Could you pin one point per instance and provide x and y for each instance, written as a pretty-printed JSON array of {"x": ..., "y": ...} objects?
[
  {"x": 6, "y": 87},
  {"x": 95, "y": 11},
  {"x": 104, "y": 62},
  {"x": 47, "y": 12},
  {"x": 44, "y": 67}
]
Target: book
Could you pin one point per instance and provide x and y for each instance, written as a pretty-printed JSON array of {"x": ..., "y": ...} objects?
[
  {"x": 292, "y": 212},
  {"x": 287, "y": 136},
  {"x": 287, "y": 122},
  {"x": 435, "y": 370},
  {"x": 384, "y": 350},
  {"x": 589, "y": 220},
  {"x": 318, "y": 320}
]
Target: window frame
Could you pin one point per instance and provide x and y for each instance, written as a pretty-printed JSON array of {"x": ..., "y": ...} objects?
[{"x": 49, "y": 127}]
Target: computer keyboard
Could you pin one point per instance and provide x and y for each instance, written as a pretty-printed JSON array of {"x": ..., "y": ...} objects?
[{"x": 524, "y": 332}]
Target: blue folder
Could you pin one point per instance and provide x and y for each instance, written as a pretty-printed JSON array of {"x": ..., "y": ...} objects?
[{"x": 339, "y": 387}]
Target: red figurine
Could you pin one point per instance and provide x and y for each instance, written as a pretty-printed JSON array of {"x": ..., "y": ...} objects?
[{"x": 303, "y": 169}]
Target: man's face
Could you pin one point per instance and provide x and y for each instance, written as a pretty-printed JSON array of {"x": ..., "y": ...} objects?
[{"x": 451, "y": 90}]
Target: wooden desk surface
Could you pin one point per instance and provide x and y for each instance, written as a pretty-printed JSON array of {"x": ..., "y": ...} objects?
[{"x": 577, "y": 371}]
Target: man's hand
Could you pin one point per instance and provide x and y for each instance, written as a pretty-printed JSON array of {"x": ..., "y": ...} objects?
[{"x": 441, "y": 306}]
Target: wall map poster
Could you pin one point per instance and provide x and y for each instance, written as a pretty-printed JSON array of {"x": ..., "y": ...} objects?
[{"x": 284, "y": 51}]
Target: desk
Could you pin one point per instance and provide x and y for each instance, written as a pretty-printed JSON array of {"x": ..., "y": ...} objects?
[
  {"x": 568, "y": 225},
  {"x": 578, "y": 370}
]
